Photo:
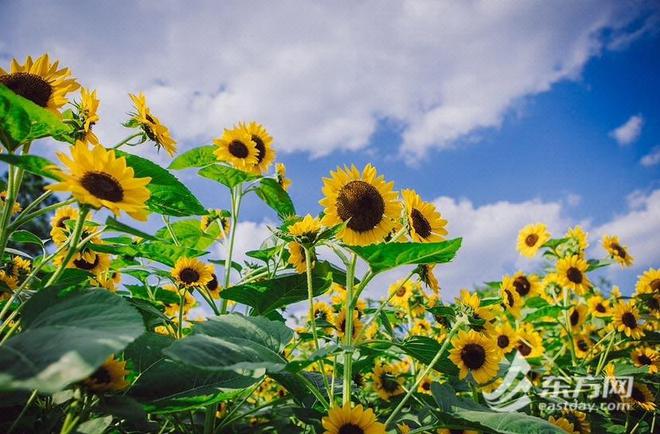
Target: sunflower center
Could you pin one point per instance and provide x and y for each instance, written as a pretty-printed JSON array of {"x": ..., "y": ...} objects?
[
  {"x": 360, "y": 202},
  {"x": 189, "y": 275},
  {"x": 102, "y": 376},
  {"x": 637, "y": 394},
  {"x": 401, "y": 291},
  {"x": 652, "y": 303},
  {"x": 503, "y": 341},
  {"x": 60, "y": 222},
  {"x": 655, "y": 285},
  {"x": 531, "y": 240},
  {"x": 213, "y": 283},
  {"x": 350, "y": 428},
  {"x": 574, "y": 420},
  {"x": 582, "y": 345},
  {"x": 426, "y": 385},
  {"x": 261, "y": 148},
  {"x": 574, "y": 275},
  {"x": 644, "y": 359},
  {"x": 238, "y": 149},
  {"x": 29, "y": 86},
  {"x": 620, "y": 251},
  {"x": 600, "y": 308},
  {"x": 84, "y": 265},
  {"x": 629, "y": 320},
  {"x": 524, "y": 349},
  {"x": 103, "y": 186},
  {"x": 473, "y": 355},
  {"x": 522, "y": 285},
  {"x": 509, "y": 298},
  {"x": 575, "y": 317},
  {"x": 389, "y": 383},
  {"x": 419, "y": 222}
]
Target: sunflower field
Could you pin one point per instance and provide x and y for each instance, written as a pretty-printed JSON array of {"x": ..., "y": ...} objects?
[{"x": 101, "y": 331}]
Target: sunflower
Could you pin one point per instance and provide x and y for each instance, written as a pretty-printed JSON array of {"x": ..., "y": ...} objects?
[
  {"x": 347, "y": 420},
  {"x": 477, "y": 312},
  {"x": 627, "y": 320},
  {"x": 216, "y": 218},
  {"x": 15, "y": 208},
  {"x": 530, "y": 343},
  {"x": 93, "y": 262},
  {"x": 577, "y": 315},
  {"x": 236, "y": 147},
  {"x": 152, "y": 127},
  {"x": 100, "y": 179},
  {"x": 190, "y": 273},
  {"x": 475, "y": 353},
  {"x": 641, "y": 396},
  {"x": 564, "y": 424},
  {"x": 505, "y": 337},
  {"x": 88, "y": 108},
  {"x": 531, "y": 238},
  {"x": 340, "y": 323},
  {"x": 364, "y": 201},
  {"x": 425, "y": 385},
  {"x": 323, "y": 312},
  {"x": 280, "y": 175},
  {"x": 421, "y": 327},
  {"x": 580, "y": 236},
  {"x": 572, "y": 273},
  {"x": 400, "y": 293},
  {"x": 297, "y": 256},
  {"x": 387, "y": 381},
  {"x": 40, "y": 81},
  {"x": 511, "y": 300},
  {"x": 306, "y": 229},
  {"x": 425, "y": 223},
  {"x": 263, "y": 143},
  {"x": 616, "y": 251},
  {"x": 109, "y": 377},
  {"x": 646, "y": 356},
  {"x": 426, "y": 275},
  {"x": 102, "y": 280},
  {"x": 526, "y": 286},
  {"x": 578, "y": 419},
  {"x": 648, "y": 282},
  {"x": 599, "y": 307},
  {"x": 582, "y": 345},
  {"x": 59, "y": 231},
  {"x": 172, "y": 309},
  {"x": 213, "y": 287}
]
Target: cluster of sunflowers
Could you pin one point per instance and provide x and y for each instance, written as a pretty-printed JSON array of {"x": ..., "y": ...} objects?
[{"x": 149, "y": 333}]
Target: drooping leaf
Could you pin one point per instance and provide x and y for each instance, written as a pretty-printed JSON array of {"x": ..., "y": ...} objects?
[
  {"x": 113, "y": 225},
  {"x": 168, "y": 195},
  {"x": 158, "y": 251},
  {"x": 382, "y": 257},
  {"x": 196, "y": 157},
  {"x": 273, "y": 195},
  {"x": 34, "y": 164},
  {"x": 225, "y": 175},
  {"x": 67, "y": 340}
]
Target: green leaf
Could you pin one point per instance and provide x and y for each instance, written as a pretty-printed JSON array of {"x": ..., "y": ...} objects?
[
  {"x": 595, "y": 264},
  {"x": 551, "y": 311},
  {"x": 112, "y": 225},
  {"x": 67, "y": 340},
  {"x": 273, "y": 195},
  {"x": 225, "y": 175},
  {"x": 158, "y": 251},
  {"x": 554, "y": 242},
  {"x": 34, "y": 164},
  {"x": 267, "y": 295},
  {"x": 168, "y": 195},
  {"x": 189, "y": 234},
  {"x": 22, "y": 121},
  {"x": 23, "y": 236},
  {"x": 382, "y": 257},
  {"x": 424, "y": 349},
  {"x": 271, "y": 334},
  {"x": 94, "y": 426},
  {"x": 196, "y": 157},
  {"x": 267, "y": 254}
]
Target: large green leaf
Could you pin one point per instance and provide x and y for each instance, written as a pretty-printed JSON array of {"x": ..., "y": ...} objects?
[
  {"x": 234, "y": 343},
  {"x": 267, "y": 295},
  {"x": 424, "y": 349},
  {"x": 382, "y": 257},
  {"x": 67, "y": 340},
  {"x": 113, "y": 225},
  {"x": 158, "y": 251},
  {"x": 188, "y": 233},
  {"x": 467, "y": 413},
  {"x": 168, "y": 195},
  {"x": 33, "y": 164},
  {"x": 196, "y": 157},
  {"x": 225, "y": 175},
  {"x": 272, "y": 193},
  {"x": 22, "y": 121}
]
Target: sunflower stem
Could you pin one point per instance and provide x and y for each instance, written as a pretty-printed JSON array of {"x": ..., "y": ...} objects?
[
  {"x": 126, "y": 140},
  {"x": 182, "y": 301},
  {"x": 348, "y": 332},
  {"x": 425, "y": 372},
  {"x": 23, "y": 218},
  {"x": 567, "y": 320},
  {"x": 236, "y": 196},
  {"x": 10, "y": 199},
  {"x": 73, "y": 245}
]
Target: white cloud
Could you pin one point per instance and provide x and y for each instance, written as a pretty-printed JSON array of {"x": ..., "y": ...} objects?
[
  {"x": 320, "y": 77},
  {"x": 652, "y": 158},
  {"x": 628, "y": 132}
]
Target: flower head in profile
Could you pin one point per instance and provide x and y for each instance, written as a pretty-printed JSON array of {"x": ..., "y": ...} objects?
[
  {"x": 109, "y": 377},
  {"x": 152, "y": 127},
  {"x": 306, "y": 229},
  {"x": 425, "y": 223},
  {"x": 88, "y": 115},
  {"x": 531, "y": 238},
  {"x": 97, "y": 177},
  {"x": 280, "y": 175},
  {"x": 42, "y": 82},
  {"x": 15, "y": 208},
  {"x": 617, "y": 251}
]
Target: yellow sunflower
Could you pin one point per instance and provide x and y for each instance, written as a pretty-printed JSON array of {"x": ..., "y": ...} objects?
[
  {"x": 100, "y": 179},
  {"x": 340, "y": 324},
  {"x": 599, "y": 307},
  {"x": 297, "y": 256},
  {"x": 263, "y": 143},
  {"x": 510, "y": 298},
  {"x": 627, "y": 320},
  {"x": 530, "y": 343},
  {"x": 526, "y": 285},
  {"x": 93, "y": 262},
  {"x": 478, "y": 312},
  {"x": 400, "y": 293},
  {"x": 475, "y": 353},
  {"x": 152, "y": 127},
  {"x": 531, "y": 238},
  {"x": 237, "y": 148},
  {"x": 425, "y": 385},
  {"x": 580, "y": 237},
  {"x": 616, "y": 251},
  {"x": 59, "y": 231},
  {"x": 191, "y": 273},
  {"x": 387, "y": 381},
  {"x": 577, "y": 315},
  {"x": 356, "y": 420},
  {"x": 172, "y": 309},
  {"x": 213, "y": 287},
  {"x": 648, "y": 282},
  {"x": 323, "y": 312},
  {"x": 109, "y": 377},
  {"x": 646, "y": 356},
  {"x": 15, "y": 208},
  {"x": 421, "y": 327},
  {"x": 425, "y": 223},
  {"x": 572, "y": 273},
  {"x": 428, "y": 278},
  {"x": 582, "y": 345},
  {"x": 307, "y": 229},
  {"x": 280, "y": 175},
  {"x": 364, "y": 201},
  {"x": 641, "y": 396},
  {"x": 216, "y": 218},
  {"x": 564, "y": 424},
  {"x": 40, "y": 81},
  {"x": 89, "y": 105},
  {"x": 505, "y": 337}
]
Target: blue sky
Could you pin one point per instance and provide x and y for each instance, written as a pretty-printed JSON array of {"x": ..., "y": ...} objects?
[{"x": 501, "y": 113}]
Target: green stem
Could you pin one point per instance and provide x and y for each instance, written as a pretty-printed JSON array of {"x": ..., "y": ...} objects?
[
  {"x": 236, "y": 196},
  {"x": 603, "y": 356},
  {"x": 24, "y": 218},
  {"x": 73, "y": 245},
  {"x": 315, "y": 390},
  {"x": 238, "y": 405},
  {"x": 127, "y": 139},
  {"x": 567, "y": 320},
  {"x": 182, "y": 301},
  {"x": 166, "y": 220},
  {"x": 348, "y": 332},
  {"x": 10, "y": 199}
]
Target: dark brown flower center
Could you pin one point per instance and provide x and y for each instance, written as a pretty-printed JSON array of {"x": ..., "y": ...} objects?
[
  {"x": 61, "y": 222},
  {"x": 238, "y": 149},
  {"x": 531, "y": 240},
  {"x": 401, "y": 291},
  {"x": 575, "y": 317},
  {"x": 629, "y": 320},
  {"x": 213, "y": 283},
  {"x": 637, "y": 394},
  {"x": 503, "y": 341},
  {"x": 524, "y": 349},
  {"x": 189, "y": 275},
  {"x": 30, "y": 86},
  {"x": 600, "y": 308},
  {"x": 84, "y": 265},
  {"x": 426, "y": 385},
  {"x": 420, "y": 224},
  {"x": 644, "y": 359},
  {"x": 509, "y": 298},
  {"x": 360, "y": 202},
  {"x": 574, "y": 275},
  {"x": 582, "y": 345},
  {"x": 473, "y": 355},
  {"x": 620, "y": 251},
  {"x": 388, "y": 383},
  {"x": 261, "y": 148},
  {"x": 102, "y": 376},
  {"x": 655, "y": 285},
  {"x": 102, "y": 186},
  {"x": 350, "y": 428},
  {"x": 522, "y": 285}
]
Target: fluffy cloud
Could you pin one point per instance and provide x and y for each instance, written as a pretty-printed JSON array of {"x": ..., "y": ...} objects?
[
  {"x": 652, "y": 158},
  {"x": 320, "y": 77},
  {"x": 629, "y": 131}
]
